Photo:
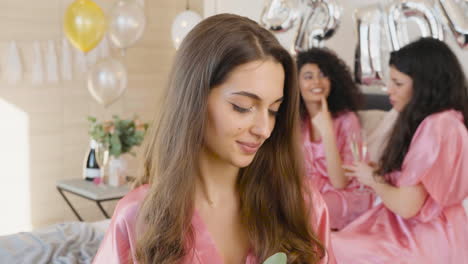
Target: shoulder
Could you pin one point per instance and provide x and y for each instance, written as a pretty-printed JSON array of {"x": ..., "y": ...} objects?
[
  {"x": 444, "y": 124},
  {"x": 444, "y": 117},
  {"x": 127, "y": 208}
]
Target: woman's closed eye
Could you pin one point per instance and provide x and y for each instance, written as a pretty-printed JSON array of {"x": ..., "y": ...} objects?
[
  {"x": 241, "y": 109},
  {"x": 397, "y": 83}
]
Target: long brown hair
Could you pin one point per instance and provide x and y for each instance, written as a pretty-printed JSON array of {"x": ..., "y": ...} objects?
[{"x": 271, "y": 188}]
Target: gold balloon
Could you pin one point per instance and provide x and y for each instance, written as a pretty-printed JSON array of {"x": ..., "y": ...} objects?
[{"x": 84, "y": 24}]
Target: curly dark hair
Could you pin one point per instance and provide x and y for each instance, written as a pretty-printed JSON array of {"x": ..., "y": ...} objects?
[
  {"x": 345, "y": 95},
  {"x": 438, "y": 84}
]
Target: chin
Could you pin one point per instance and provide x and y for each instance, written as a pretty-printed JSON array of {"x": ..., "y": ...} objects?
[
  {"x": 398, "y": 108},
  {"x": 317, "y": 98},
  {"x": 313, "y": 100},
  {"x": 242, "y": 162}
]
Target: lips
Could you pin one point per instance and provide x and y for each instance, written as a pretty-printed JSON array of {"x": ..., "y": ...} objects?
[{"x": 248, "y": 147}]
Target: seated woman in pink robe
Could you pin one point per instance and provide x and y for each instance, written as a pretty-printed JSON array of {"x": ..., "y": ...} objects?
[
  {"x": 422, "y": 177},
  {"x": 329, "y": 99},
  {"x": 223, "y": 181}
]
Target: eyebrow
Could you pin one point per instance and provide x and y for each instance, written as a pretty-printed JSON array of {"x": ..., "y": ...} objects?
[
  {"x": 312, "y": 73},
  {"x": 254, "y": 96}
]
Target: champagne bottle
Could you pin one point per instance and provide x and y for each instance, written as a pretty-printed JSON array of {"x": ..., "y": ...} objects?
[{"x": 91, "y": 168}]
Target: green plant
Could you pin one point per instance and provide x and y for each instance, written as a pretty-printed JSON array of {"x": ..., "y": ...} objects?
[{"x": 118, "y": 135}]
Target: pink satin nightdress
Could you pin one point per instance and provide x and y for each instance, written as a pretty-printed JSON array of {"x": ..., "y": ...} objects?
[
  {"x": 438, "y": 234},
  {"x": 118, "y": 245},
  {"x": 344, "y": 205}
]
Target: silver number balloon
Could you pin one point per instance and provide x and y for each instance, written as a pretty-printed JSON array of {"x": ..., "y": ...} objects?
[
  {"x": 107, "y": 81},
  {"x": 372, "y": 47},
  {"x": 127, "y": 23},
  {"x": 319, "y": 21},
  {"x": 420, "y": 12},
  {"x": 280, "y": 15},
  {"x": 456, "y": 13}
]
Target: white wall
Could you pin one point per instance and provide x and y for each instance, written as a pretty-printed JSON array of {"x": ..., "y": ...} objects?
[
  {"x": 343, "y": 42},
  {"x": 44, "y": 130}
]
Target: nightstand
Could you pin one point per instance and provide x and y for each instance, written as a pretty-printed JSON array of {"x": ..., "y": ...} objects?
[{"x": 91, "y": 191}]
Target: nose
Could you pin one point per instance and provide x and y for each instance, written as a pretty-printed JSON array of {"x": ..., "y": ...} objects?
[
  {"x": 262, "y": 125},
  {"x": 390, "y": 89},
  {"x": 315, "y": 80}
]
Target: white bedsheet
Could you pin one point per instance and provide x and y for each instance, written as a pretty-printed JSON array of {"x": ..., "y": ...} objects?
[{"x": 64, "y": 243}]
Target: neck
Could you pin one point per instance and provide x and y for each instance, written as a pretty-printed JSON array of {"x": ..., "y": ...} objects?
[
  {"x": 216, "y": 181},
  {"x": 313, "y": 108}
]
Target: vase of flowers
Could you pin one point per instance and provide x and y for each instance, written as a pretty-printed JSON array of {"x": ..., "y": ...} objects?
[{"x": 116, "y": 137}]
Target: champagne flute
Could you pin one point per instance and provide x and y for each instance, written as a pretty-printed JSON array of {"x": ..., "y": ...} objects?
[
  {"x": 358, "y": 146},
  {"x": 102, "y": 157}
]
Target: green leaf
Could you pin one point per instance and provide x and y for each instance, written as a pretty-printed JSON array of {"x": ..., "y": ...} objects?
[
  {"x": 278, "y": 258},
  {"x": 124, "y": 134},
  {"x": 116, "y": 146}
]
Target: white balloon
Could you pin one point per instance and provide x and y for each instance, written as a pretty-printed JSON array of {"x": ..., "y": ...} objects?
[
  {"x": 107, "y": 81},
  {"x": 183, "y": 23},
  {"x": 127, "y": 23}
]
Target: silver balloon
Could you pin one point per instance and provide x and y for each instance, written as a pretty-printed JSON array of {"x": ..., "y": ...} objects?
[
  {"x": 418, "y": 11},
  {"x": 127, "y": 23},
  {"x": 371, "y": 58},
  {"x": 107, "y": 81},
  {"x": 183, "y": 23},
  {"x": 456, "y": 13},
  {"x": 319, "y": 21},
  {"x": 280, "y": 15}
]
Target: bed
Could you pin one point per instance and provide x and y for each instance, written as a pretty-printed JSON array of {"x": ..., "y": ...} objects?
[{"x": 64, "y": 243}]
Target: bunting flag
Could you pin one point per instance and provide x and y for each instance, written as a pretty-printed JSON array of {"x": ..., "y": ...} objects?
[
  {"x": 92, "y": 56},
  {"x": 37, "y": 65},
  {"x": 66, "y": 69},
  {"x": 103, "y": 48},
  {"x": 51, "y": 62},
  {"x": 14, "y": 69},
  {"x": 80, "y": 61}
]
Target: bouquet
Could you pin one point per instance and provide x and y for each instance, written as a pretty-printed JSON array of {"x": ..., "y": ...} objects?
[{"x": 119, "y": 136}]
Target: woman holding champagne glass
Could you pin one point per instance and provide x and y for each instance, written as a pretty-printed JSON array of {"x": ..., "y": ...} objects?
[
  {"x": 332, "y": 133},
  {"x": 422, "y": 175}
]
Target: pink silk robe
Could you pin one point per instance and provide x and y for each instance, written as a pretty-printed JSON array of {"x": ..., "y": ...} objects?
[
  {"x": 437, "y": 159},
  {"x": 344, "y": 205},
  {"x": 119, "y": 243}
]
